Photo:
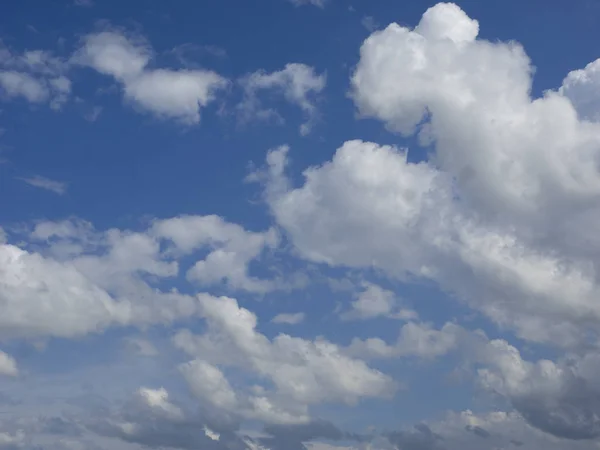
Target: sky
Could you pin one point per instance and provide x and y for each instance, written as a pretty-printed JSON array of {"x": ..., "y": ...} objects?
[{"x": 299, "y": 225}]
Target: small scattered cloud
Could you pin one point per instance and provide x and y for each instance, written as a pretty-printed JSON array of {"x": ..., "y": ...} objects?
[
  {"x": 93, "y": 114},
  {"x": 369, "y": 23},
  {"x": 8, "y": 367},
  {"x": 300, "y": 85},
  {"x": 374, "y": 301},
  {"x": 58, "y": 187},
  {"x": 84, "y": 3},
  {"x": 165, "y": 93},
  {"x": 289, "y": 319},
  {"x": 318, "y": 3}
]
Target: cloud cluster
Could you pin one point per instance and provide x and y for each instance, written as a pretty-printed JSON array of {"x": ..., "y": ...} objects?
[
  {"x": 87, "y": 280},
  {"x": 502, "y": 217},
  {"x": 302, "y": 372},
  {"x": 503, "y": 214},
  {"x": 36, "y": 76},
  {"x": 175, "y": 94}
]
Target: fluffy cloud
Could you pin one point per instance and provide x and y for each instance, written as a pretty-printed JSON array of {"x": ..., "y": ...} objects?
[
  {"x": 374, "y": 301},
  {"x": 297, "y": 82},
  {"x": 481, "y": 222},
  {"x": 561, "y": 398},
  {"x": 8, "y": 366},
  {"x": 302, "y": 372},
  {"x": 166, "y": 93},
  {"x": 233, "y": 248},
  {"x": 415, "y": 339},
  {"x": 582, "y": 87},
  {"x": 87, "y": 280},
  {"x": 35, "y": 75}
]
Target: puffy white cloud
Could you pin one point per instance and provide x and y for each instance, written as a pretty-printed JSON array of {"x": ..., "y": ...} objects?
[
  {"x": 166, "y": 93},
  {"x": 16, "y": 84},
  {"x": 374, "y": 301},
  {"x": 415, "y": 339},
  {"x": 232, "y": 249},
  {"x": 86, "y": 280},
  {"x": 484, "y": 218},
  {"x": 8, "y": 366},
  {"x": 158, "y": 401},
  {"x": 298, "y": 83},
  {"x": 58, "y": 187},
  {"x": 289, "y": 318},
  {"x": 35, "y": 75},
  {"x": 302, "y": 372},
  {"x": 582, "y": 87}
]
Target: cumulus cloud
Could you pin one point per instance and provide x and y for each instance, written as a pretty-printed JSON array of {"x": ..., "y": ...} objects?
[
  {"x": 477, "y": 229},
  {"x": 373, "y": 302},
  {"x": 88, "y": 280},
  {"x": 151, "y": 420},
  {"x": 34, "y": 75},
  {"x": 302, "y": 372},
  {"x": 298, "y": 83},
  {"x": 415, "y": 339},
  {"x": 166, "y": 93},
  {"x": 233, "y": 248},
  {"x": 8, "y": 366},
  {"x": 502, "y": 216},
  {"x": 561, "y": 398}
]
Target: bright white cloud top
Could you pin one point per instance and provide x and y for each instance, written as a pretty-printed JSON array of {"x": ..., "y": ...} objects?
[{"x": 369, "y": 275}]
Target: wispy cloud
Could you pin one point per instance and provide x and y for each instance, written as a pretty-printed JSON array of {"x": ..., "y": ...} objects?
[
  {"x": 58, "y": 187},
  {"x": 290, "y": 319}
]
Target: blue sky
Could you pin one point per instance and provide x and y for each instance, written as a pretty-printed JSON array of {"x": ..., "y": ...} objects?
[{"x": 303, "y": 224}]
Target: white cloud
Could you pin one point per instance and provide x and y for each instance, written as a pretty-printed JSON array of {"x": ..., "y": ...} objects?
[
  {"x": 302, "y": 372},
  {"x": 8, "y": 366},
  {"x": 35, "y": 75},
  {"x": 158, "y": 401},
  {"x": 75, "y": 280},
  {"x": 57, "y": 187},
  {"x": 485, "y": 218},
  {"x": 298, "y": 83},
  {"x": 166, "y": 93},
  {"x": 373, "y": 302},
  {"x": 290, "y": 319},
  {"x": 561, "y": 398},
  {"x": 232, "y": 250},
  {"x": 85, "y": 3},
  {"x": 16, "y": 84},
  {"x": 415, "y": 339},
  {"x": 582, "y": 87}
]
